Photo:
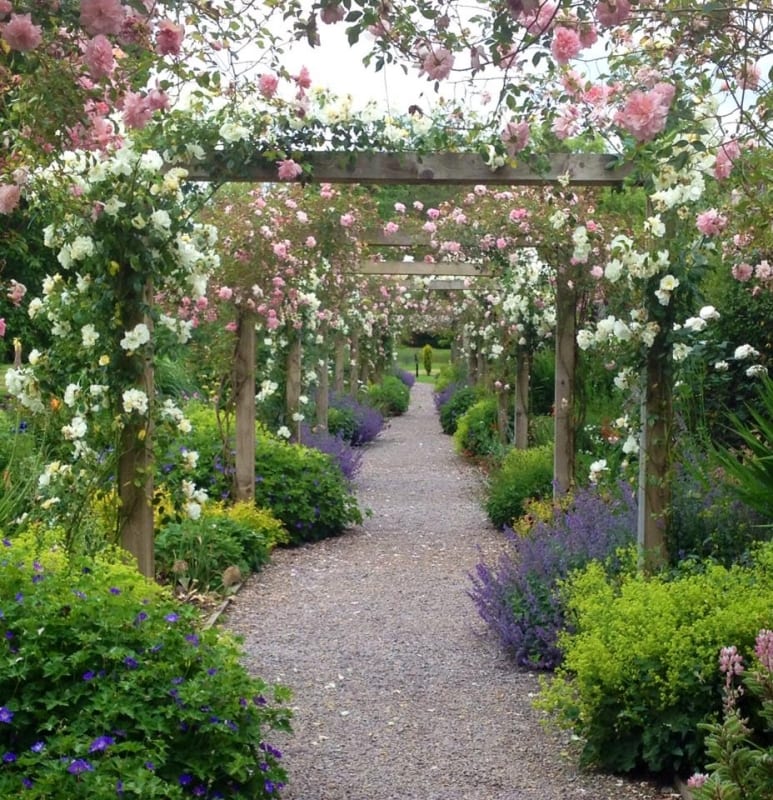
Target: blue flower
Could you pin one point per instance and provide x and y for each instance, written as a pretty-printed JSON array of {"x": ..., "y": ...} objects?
[
  {"x": 130, "y": 663},
  {"x": 100, "y": 744},
  {"x": 88, "y": 676},
  {"x": 140, "y": 618},
  {"x": 38, "y": 747},
  {"x": 172, "y": 617},
  {"x": 115, "y": 590},
  {"x": 6, "y": 715},
  {"x": 26, "y": 783},
  {"x": 9, "y": 758},
  {"x": 193, "y": 639},
  {"x": 186, "y": 779},
  {"x": 79, "y": 766}
]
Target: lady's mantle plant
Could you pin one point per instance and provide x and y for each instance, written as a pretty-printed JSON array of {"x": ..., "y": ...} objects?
[{"x": 108, "y": 689}]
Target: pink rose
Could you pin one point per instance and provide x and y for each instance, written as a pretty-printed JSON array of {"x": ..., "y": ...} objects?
[
  {"x": 645, "y": 114},
  {"x": 267, "y": 84},
  {"x": 538, "y": 19},
  {"x": 743, "y": 272},
  {"x": 566, "y": 44},
  {"x": 136, "y": 110},
  {"x": 225, "y": 293},
  {"x": 303, "y": 78},
  {"x": 102, "y": 16},
  {"x": 711, "y": 222},
  {"x": 347, "y": 220},
  {"x": 515, "y": 136},
  {"x": 98, "y": 57},
  {"x": 10, "y": 194},
  {"x": 232, "y": 327},
  {"x": 169, "y": 37},
  {"x": 20, "y": 34},
  {"x": 612, "y": 12},
  {"x": 18, "y": 290},
  {"x": 288, "y": 170},
  {"x": 5, "y": 8},
  {"x": 437, "y": 64},
  {"x": 390, "y": 228},
  {"x": 2, "y": 326},
  {"x": 332, "y": 14},
  {"x": 726, "y": 155}
]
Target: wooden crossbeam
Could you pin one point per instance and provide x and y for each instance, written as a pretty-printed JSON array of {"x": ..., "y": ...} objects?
[
  {"x": 378, "y": 238},
  {"x": 450, "y": 268},
  {"x": 447, "y": 284},
  {"x": 415, "y": 168}
]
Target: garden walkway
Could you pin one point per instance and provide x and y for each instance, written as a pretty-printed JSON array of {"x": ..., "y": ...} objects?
[{"x": 399, "y": 692}]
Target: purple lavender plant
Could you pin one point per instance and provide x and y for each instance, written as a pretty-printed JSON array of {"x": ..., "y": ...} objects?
[
  {"x": 444, "y": 395},
  {"x": 369, "y": 421},
  {"x": 334, "y": 445},
  {"x": 519, "y": 597},
  {"x": 408, "y": 378}
]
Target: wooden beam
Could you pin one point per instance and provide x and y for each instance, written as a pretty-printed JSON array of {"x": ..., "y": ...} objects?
[
  {"x": 414, "y": 168},
  {"x": 447, "y": 284},
  {"x": 377, "y": 238},
  {"x": 451, "y": 268}
]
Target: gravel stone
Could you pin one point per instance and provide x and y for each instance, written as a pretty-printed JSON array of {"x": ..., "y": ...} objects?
[{"x": 399, "y": 690}]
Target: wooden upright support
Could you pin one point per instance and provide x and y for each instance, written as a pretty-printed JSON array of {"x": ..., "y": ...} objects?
[{"x": 244, "y": 402}]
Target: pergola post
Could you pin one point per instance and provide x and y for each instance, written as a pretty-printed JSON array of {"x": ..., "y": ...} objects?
[
  {"x": 522, "y": 374},
  {"x": 293, "y": 385},
  {"x": 244, "y": 403},
  {"x": 339, "y": 367},
  {"x": 322, "y": 395},
  {"x": 566, "y": 355},
  {"x": 354, "y": 365},
  {"x": 135, "y": 460}
]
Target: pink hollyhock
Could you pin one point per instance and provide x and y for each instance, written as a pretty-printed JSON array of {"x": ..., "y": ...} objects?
[
  {"x": 10, "y": 194},
  {"x": 102, "y": 16},
  {"x": 20, "y": 34},
  {"x": 303, "y": 78},
  {"x": 169, "y": 38},
  {"x": 566, "y": 44},
  {"x": 538, "y": 19},
  {"x": 136, "y": 110},
  {"x": 332, "y": 14},
  {"x": 288, "y": 170},
  {"x": 612, "y": 12},
  {"x": 437, "y": 64},
  {"x": 711, "y": 222},
  {"x": 98, "y": 57},
  {"x": 645, "y": 113},
  {"x": 515, "y": 136},
  {"x": 268, "y": 84},
  {"x": 726, "y": 155}
]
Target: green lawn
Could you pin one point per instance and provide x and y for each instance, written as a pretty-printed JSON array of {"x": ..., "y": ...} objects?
[{"x": 406, "y": 361}]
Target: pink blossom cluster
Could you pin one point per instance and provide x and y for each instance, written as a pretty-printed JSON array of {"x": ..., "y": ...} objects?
[
  {"x": 711, "y": 222},
  {"x": 645, "y": 113},
  {"x": 763, "y": 649}
]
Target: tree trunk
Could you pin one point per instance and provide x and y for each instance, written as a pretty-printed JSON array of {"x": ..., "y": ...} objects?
[
  {"x": 522, "y": 377},
  {"x": 339, "y": 374},
  {"x": 244, "y": 402},
  {"x": 566, "y": 309},
  {"x": 293, "y": 387},
  {"x": 503, "y": 418},
  {"x": 135, "y": 460},
  {"x": 655, "y": 458}
]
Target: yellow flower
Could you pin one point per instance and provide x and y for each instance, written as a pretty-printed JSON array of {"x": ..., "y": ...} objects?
[
  {"x": 104, "y": 360},
  {"x": 114, "y": 267}
]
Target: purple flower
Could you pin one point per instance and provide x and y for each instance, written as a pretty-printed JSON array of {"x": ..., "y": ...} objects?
[
  {"x": 192, "y": 639},
  {"x": 149, "y": 765},
  {"x": 140, "y": 618},
  {"x": 19, "y": 597},
  {"x": 27, "y": 783},
  {"x": 88, "y": 675},
  {"x": 38, "y": 747},
  {"x": 9, "y": 758},
  {"x": 212, "y": 671},
  {"x": 80, "y": 595},
  {"x": 100, "y": 744},
  {"x": 269, "y": 786},
  {"x": 172, "y": 617},
  {"x": 186, "y": 779},
  {"x": 130, "y": 663},
  {"x": 199, "y": 791},
  {"x": 115, "y": 590},
  {"x": 6, "y": 542},
  {"x": 6, "y": 715},
  {"x": 79, "y": 766}
]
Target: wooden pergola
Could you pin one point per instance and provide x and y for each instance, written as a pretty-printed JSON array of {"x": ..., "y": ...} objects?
[{"x": 414, "y": 169}]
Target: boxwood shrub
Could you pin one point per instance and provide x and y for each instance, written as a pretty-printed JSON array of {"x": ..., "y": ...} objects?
[
  {"x": 391, "y": 396},
  {"x": 109, "y": 688},
  {"x": 456, "y": 403}
]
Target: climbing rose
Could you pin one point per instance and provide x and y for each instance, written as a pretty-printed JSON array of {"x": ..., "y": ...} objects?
[
  {"x": 136, "y": 110},
  {"x": 437, "y": 64},
  {"x": 515, "y": 136},
  {"x": 332, "y": 14},
  {"x": 645, "y": 113},
  {"x": 102, "y": 16},
  {"x": 612, "y": 12},
  {"x": 21, "y": 34},
  {"x": 726, "y": 155},
  {"x": 9, "y": 197},
  {"x": 5, "y": 7},
  {"x": 288, "y": 170},
  {"x": 267, "y": 84},
  {"x": 539, "y": 18},
  {"x": 303, "y": 78},
  {"x": 98, "y": 55},
  {"x": 566, "y": 44},
  {"x": 711, "y": 222},
  {"x": 169, "y": 37}
]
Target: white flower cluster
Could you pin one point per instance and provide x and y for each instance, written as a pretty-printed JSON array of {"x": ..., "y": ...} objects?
[
  {"x": 135, "y": 338},
  {"x": 171, "y": 413},
  {"x": 135, "y": 400},
  {"x": 194, "y": 499}
]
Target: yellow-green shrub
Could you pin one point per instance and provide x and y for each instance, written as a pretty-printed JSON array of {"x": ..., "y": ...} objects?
[
  {"x": 640, "y": 666},
  {"x": 251, "y": 516}
]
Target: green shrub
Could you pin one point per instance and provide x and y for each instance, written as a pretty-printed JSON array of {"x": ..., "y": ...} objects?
[
  {"x": 476, "y": 430},
  {"x": 448, "y": 374},
  {"x": 541, "y": 430},
  {"x": 426, "y": 357},
  {"x": 639, "y": 676},
  {"x": 460, "y": 401},
  {"x": 342, "y": 421},
  {"x": 202, "y": 549},
  {"x": 110, "y": 689},
  {"x": 522, "y": 475},
  {"x": 304, "y": 488},
  {"x": 391, "y": 397}
]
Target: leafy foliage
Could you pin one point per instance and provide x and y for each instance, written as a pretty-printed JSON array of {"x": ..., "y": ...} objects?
[
  {"x": 639, "y": 675},
  {"x": 476, "y": 430},
  {"x": 357, "y": 422},
  {"x": 391, "y": 397},
  {"x": 523, "y": 474},
  {"x": 111, "y": 689},
  {"x": 452, "y": 402},
  {"x": 334, "y": 445},
  {"x": 520, "y": 597},
  {"x": 304, "y": 489}
]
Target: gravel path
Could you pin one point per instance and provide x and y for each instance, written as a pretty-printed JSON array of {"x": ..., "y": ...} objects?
[{"x": 399, "y": 691}]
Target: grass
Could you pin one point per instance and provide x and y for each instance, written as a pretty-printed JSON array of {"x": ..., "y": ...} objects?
[{"x": 406, "y": 361}]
